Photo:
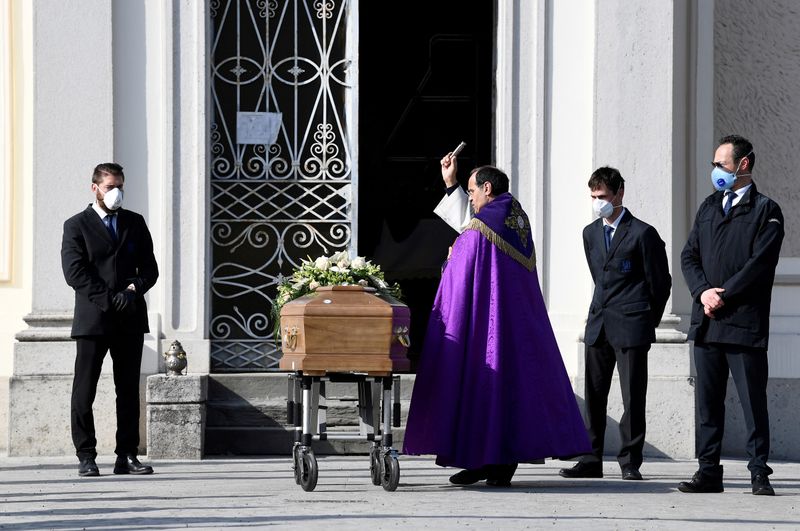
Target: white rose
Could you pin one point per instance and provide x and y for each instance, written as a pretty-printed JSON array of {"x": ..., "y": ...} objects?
[
  {"x": 363, "y": 283},
  {"x": 342, "y": 260},
  {"x": 358, "y": 262},
  {"x": 322, "y": 263},
  {"x": 314, "y": 285}
]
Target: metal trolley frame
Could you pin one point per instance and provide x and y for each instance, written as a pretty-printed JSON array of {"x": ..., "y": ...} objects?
[{"x": 378, "y": 411}]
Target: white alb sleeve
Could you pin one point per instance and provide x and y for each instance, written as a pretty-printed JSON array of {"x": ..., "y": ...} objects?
[{"x": 455, "y": 209}]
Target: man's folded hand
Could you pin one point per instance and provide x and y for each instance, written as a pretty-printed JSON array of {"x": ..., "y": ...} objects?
[{"x": 124, "y": 301}]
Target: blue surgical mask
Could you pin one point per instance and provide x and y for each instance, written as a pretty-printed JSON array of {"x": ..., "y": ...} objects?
[{"x": 724, "y": 180}]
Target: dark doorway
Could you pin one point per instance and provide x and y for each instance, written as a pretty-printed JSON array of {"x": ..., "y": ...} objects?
[{"x": 425, "y": 85}]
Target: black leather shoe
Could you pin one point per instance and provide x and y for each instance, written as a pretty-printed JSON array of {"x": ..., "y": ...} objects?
[
  {"x": 582, "y": 470},
  {"x": 128, "y": 464},
  {"x": 468, "y": 477},
  {"x": 88, "y": 468},
  {"x": 500, "y": 475},
  {"x": 699, "y": 484},
  {"x": 631, "y": 473},
  {"x": 761, "y": 486}
]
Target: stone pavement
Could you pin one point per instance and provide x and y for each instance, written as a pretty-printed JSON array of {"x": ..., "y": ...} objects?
[{"x": 253, "y": 493}]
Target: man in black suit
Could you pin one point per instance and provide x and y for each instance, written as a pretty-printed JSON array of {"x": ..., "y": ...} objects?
[
  {"x": 729, "y": 264},
  {"x": 107, "y": 258},
  {"x": 628, "y": 262}
]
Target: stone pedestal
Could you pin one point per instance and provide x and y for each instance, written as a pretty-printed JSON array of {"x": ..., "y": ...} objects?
[
  {"x": 40, "y": 389},
  {"x": 176, "y": 416}
]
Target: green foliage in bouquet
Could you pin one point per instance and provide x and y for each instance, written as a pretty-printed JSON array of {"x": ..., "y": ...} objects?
[{"x": 335, "y": 270}]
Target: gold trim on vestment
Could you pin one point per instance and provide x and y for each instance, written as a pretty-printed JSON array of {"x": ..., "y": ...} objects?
[{"x": 497, "y": 240}]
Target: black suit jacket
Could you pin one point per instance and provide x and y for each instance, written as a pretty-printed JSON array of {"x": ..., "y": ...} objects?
[
  {"x": 97, "y": 268},
  {"x": 738, "y": 252},
  {"x": 632, "y": 282}
]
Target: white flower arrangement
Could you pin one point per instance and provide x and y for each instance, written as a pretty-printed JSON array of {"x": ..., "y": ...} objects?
[{"x": 335, "y": 270}]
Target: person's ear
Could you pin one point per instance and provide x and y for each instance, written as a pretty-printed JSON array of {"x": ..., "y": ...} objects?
[
  {"x": 745, "y": 163},
  {"x": 488, "y": 188}
]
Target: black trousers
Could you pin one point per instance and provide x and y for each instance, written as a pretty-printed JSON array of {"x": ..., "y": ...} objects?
[
  {"x": 749, "y": 368},
  {"x": 632, "y": 367},
  {"x": 126, "y": 355}
]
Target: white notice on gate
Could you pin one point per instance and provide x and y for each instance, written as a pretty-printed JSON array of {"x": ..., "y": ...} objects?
[{"x": 257, "y": 127}]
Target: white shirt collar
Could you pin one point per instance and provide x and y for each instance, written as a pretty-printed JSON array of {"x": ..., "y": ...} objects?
[
  {"x": 616, "y": 221},
  {"x": 739, "y": 194},
  {"x": 100, "y": 212}
]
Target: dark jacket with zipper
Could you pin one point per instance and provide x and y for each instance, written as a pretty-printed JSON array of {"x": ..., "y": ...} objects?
[
  {"x": 739, "y": 253},
  {"x": 631, "y": 282}
]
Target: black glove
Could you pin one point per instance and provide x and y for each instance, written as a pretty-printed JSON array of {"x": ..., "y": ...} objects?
[{"x": 124, "y": 301}]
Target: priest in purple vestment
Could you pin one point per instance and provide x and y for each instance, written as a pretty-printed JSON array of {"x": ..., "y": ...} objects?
[{"x": 491, "y": 389}]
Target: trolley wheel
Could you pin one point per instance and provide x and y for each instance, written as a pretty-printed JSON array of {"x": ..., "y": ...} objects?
[
  {"x": 390, "y": 473},
  {"x": 297, "y": 461},
  {"x": 309, "y": 472},
  {"x": 375, "y": 466}
]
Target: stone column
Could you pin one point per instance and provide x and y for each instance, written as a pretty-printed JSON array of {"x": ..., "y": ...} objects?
[
  {"x": 72, "y": 112},
  {"x": 641, "y": 117}
]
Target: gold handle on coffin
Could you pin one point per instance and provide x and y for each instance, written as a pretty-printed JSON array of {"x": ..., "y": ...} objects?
[
  {"x": 290, "y": 337},
  {"x": 401, "y": 336}
]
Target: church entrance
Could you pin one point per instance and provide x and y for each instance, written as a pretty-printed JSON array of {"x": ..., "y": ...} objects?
[
  {"x": 346, "y": 169},
  {"x": 425, "y": 85}
]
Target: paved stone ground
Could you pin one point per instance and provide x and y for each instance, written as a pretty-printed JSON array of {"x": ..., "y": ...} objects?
[{"x": 257, "y": 493}]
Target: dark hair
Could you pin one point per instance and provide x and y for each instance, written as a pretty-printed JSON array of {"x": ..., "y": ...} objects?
[
  {"x": 608, "y": 176},
  {"x": 107, "y": 168},
  {"x": 495, "y": 176},
  {"x": 741, "y": 148}
]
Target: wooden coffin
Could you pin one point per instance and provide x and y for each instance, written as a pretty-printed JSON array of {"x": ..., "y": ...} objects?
[
  {"x": 340, "y": 329},
  {"x": 401, "y": 334}
]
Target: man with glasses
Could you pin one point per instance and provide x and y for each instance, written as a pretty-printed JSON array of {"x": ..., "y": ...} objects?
[{"x": 729, "y": 265}]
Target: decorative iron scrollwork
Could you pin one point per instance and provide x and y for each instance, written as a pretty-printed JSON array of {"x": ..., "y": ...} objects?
[{"x": 272, "y": 205}]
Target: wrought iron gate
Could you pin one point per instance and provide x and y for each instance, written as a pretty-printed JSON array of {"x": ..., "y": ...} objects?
[{"x": 272, "y": 205}]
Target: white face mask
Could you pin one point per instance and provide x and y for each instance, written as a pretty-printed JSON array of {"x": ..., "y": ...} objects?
[
  {"x": 602, "y": 208},
  {"x": 113, "y": 199}
]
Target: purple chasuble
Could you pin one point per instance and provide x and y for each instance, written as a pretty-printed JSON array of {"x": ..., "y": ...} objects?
[{"x": 491, "y": 387}]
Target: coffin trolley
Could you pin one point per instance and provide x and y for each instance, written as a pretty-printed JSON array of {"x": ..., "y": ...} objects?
[{"x": 345, "y": 334}]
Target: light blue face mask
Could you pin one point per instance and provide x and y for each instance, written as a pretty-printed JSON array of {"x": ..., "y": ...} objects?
[{"x": 724, "y": 180}]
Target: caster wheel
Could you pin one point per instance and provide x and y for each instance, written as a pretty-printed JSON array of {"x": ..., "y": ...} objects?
[
  {"x": 309, "y": 472},
  {"x": 297, "y": 464},
  {"x": 375, "y": 466},
  {"x": 390, "y": 473}
]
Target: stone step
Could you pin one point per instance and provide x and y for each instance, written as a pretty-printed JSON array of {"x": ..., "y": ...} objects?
[
  {"x": 273, "y": 414},
  {"x": 246, "y": 415},
  {"x": 265, "y": 387},
  {"x": 254, "y": 440}
]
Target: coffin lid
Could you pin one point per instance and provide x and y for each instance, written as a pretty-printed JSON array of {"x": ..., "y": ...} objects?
[{"x": 330, "y": 301}]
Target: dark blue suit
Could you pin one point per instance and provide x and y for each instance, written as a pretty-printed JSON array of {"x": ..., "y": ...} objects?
[{"x": 632, "y": 285}]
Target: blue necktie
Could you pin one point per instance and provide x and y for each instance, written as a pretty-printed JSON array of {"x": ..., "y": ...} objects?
[
  {"x": 108, "y": 221},
  {"x": 728, "y": 201},
  {"x": 608, "y": 229}
]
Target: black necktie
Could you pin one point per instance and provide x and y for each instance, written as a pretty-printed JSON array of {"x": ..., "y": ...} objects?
[
  {"x": 728, "y": 201},
  {"x": 608, "y": 229},
  {"x": 108, "y": 221}
]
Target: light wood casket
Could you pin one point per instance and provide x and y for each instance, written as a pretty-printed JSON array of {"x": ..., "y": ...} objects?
[{"x": 344, "y": 329}]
